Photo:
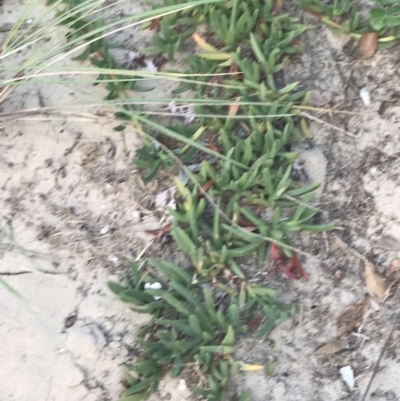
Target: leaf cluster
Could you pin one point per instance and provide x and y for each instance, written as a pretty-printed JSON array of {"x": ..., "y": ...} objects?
[
  {"x": 197, "y": 313},
  {"x": 190, "y": 324},
  {"x": 383, "y": 19},
  {"x": 386, "y": 19},
  {"x": 256, "y": 174}
]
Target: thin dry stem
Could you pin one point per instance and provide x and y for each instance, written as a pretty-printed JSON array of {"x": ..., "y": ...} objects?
[{"x": 318, "y": 120}]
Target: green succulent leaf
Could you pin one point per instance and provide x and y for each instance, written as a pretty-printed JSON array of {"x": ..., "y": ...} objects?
[{"x": 231, "y": 144}]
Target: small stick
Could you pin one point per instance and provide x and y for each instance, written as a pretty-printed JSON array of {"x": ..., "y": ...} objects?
[
  {"x": 143, "y": 251},
  {"x": 375, "y": 371},
  {"x": 318, "y": 120}
]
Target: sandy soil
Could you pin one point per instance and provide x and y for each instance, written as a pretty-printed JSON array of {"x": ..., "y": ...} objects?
[
  {"x": 74, "y": 212},
  {"x": 71, "y": 219}
]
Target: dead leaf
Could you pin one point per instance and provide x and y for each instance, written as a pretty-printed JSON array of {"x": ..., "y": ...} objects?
[
  {"x": 352, "y": 316},
  {"x": 332, "y": 347},
  {"x": 298, "y": 267},
  {"x": 317, "y": 15},
  {"x": 254, "y": 322},
  {"x": 244, "y": 223},
  {"x": 375, "y": 283},
  {"x": 368, "y": 44},
  {"x": 297, "y": 42},
  {"x": 99, "y": 54},
  {"x": 233, "y": 68},
  {"x": 206, "y": 186},
  {"x": 213, "y": 146},
  {"x": 160, "y": 232},
  {"x": 290, "y": 267},
  {"x": 234, "y": 108},
  {"x": 155, "y": 23},
  {"x": 392, "y": 273},
  {"x": 277, "y": 7},
  {"x": 276, "y": 253}
]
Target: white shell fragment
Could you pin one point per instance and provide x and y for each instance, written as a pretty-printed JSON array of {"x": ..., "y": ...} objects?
[
  {"x": 152, "y": 286},
  {"x": 135, "y": 216},
  {"x": 182, "y": 386},
  {"x": 365, "y": 97},
  {"x": 347, "y": 376},
  {"x": 105, "y": 230}
]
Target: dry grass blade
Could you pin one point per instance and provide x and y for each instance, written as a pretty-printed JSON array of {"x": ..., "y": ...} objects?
[
  {"x": 19, "y": 296},
  {"x": 376, "y": 367},
  {"x": 318, "y": 120}
]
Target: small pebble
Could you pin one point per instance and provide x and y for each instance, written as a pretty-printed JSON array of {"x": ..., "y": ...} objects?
[
  {"x": 339, "y": 275},
  {"x": 374, "y": 171},
  {"x": 135, "y": 216}
]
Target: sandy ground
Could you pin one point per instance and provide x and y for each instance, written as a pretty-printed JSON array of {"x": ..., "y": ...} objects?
[
  {"x": 74, "y": 210},
  {"x": 71, "y": 218}
]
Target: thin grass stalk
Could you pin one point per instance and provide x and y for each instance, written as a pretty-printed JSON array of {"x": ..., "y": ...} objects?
[{"x": 57, "y": 20}]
